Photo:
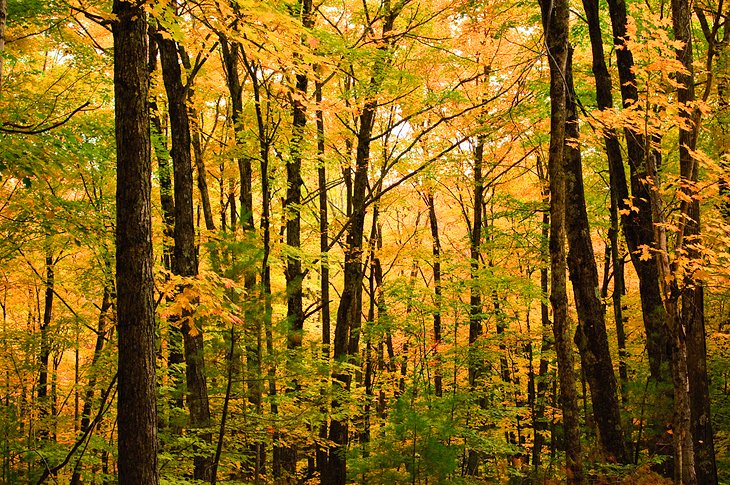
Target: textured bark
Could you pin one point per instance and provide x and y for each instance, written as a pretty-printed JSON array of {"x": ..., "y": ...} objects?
[
  {"x": 691, "y": 319},
  {"x": 184, "y": 262},
  {"x": 555, "y": 23},
  {"x": 136, "y": 407},
  {"x": 617, "y": 176},
  {"x": 638, "y": 226},
  {"x": 591, "y": 335}
]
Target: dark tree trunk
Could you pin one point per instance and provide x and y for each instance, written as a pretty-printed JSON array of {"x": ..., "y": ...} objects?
[
  {"x": 294, "y": 274},
  {"x": 348, "y": 312},
  {"x": 617, "y": 176},
  {"x": 324, "y": 264},
  {"x": 638, "y": 226},
  {"x": 184, "y": 262},
  {"x": 555, "y": 23},
  {"x": 539, "y": 421},
  {"x": 591, "y": 335},
  {"x": 230, "y": 53},
  {"x": 45, "y": 351},
  {"x": 475, "y": 295},
  {"x": 136, "y": 406},
  {"x": 202, "y": 179},
  {"x": 167, "y": 204},
  {"x": 436, "y": 250},
  {"x": 692, "y": 318}
]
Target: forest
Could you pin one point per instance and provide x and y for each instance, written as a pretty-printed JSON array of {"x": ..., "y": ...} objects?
[{"x": 365, "y": 241}]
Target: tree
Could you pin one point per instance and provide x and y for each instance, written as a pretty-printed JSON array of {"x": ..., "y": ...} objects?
[
  {"x": 555, "y": 25},
  {"x": 136, "y": 404},
  {"x": 591, "y": 336}
]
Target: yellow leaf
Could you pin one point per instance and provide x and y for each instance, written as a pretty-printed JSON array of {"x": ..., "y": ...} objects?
[{"x": 645, "y": 252}]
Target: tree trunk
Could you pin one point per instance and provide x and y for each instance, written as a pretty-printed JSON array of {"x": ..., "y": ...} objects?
[
  {"x": 591, "y": 335},
  {"x": 348, "y": 312},
  {"x": 638, "y": 226},
  {"x": 475, "y": 296},
  {"x": 324, "y": 264},
  {"x": 45, "y": 354},
  {"x": 617, "y": 176},
  {"x": 436, "y": 250},
  {"x": 539, "y": 421},
  {"x": 691, "y": 319},
  {"x": 555, "y": 24},
  {"x": 185, "y": 261},
  {"x": 101, "y": 333},
  {"x": 230, "y": 52},
  {"x": 136, "y": 406}
]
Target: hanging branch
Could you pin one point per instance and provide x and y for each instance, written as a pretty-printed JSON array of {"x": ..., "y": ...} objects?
[{"x": 35, "y": 129}]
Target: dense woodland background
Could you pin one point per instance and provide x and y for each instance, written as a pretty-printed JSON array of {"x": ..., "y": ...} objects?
[{"x": 384, "y": 242}]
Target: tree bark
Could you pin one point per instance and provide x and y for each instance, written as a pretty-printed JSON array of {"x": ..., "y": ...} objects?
[
  {"x": 539, "y": 421},
  {"x": 45, "y": 351},
  {"x": 555, "y": 24},
  {"x": 475, "y": 297},
  {"x": 185, "y": 261},
  {"x": 591, "y": 335},
  {"x": 136, "y": 406},
  {"x": 436, "y": 250},
  {"x": 691, "y": 319},
  {"x": 324, "y": 263},
  {"x": 637, "y": 221}
]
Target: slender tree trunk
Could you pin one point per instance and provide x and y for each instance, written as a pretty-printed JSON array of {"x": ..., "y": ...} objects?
[
  {"x": 436, "y": 250},
  {"x": 324, "y": 278},
  {"x": 349, "y": 311},
  {"x": 591, "y": 336},
  {"x": 185, "y": 261},
  {"x": 475, "y": 296},
  {"x": 555, "y": 23},
  {"x": 691, "y": 319},
  {"x": 45, "y": 353},
  {"x": 539, "y": 421},
  {"x": 638, "y": 224},
  {"x": 101, "y": 333},
  {"x": 253, "y": 322},
  {"x": 167, "y": 204},
  {"x": 136, "y": 406}
]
